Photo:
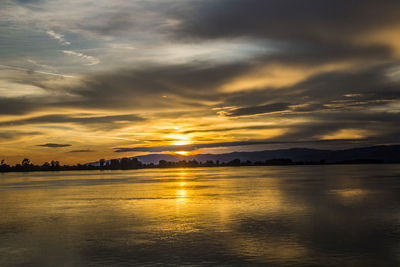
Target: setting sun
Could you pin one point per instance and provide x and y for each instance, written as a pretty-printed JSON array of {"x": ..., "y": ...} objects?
[{"x": 182, "y": 153}]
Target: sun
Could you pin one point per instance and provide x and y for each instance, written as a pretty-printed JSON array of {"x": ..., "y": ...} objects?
[{"x": 182, "y": 153}]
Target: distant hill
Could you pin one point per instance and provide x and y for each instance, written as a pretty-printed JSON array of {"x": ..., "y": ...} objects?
[{"x": 381, "y": 153}]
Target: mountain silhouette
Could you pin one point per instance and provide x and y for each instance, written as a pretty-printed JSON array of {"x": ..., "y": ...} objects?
[{"x": 382, "y": 153}]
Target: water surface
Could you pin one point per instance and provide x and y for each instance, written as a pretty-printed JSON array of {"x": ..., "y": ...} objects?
[{"x": 278, "y": 216}]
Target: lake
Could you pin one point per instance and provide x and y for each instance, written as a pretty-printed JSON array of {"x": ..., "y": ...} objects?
[{"x": 333, "y": 215}]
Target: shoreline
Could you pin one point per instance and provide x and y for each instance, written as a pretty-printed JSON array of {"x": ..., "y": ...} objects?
[{"x": 97, "y": 168}]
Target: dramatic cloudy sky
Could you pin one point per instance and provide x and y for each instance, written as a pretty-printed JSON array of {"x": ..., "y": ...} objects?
[{"x": 82, "y": 79}]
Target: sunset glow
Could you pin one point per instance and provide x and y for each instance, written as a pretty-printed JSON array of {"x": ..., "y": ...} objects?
[
  {"x": 182, "y": 153},
  {"x": 181, "y": 142},
  {"x": 80, "y": 81},
  {"x": 199, "y": 133}
]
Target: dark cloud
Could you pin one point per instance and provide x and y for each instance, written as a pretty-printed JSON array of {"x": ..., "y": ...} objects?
[
  {"x": 18, "y": 106},
  {"x": 184, "y": 85},
  {"x": 155, "y": 88},
  {"x": 92, "y": 121},
  {"x": 284, "y": 19},
  {"x": 311, "y": 53},
  {"x": 11, "y": 135},
  {"x": 301, "y": 32},
  {"x": 52, "y": 145}
]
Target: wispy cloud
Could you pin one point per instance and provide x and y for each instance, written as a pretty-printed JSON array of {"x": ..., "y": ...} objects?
[
  {"x": 34, "y": 62},
  {"x": 102, "y": 122},
  {"x": 59, "y": 37},
  {"x": 90, "y": 61},
  {"x": 36, "y": 71}
]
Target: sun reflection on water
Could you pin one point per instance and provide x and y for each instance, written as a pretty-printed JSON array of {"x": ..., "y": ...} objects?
[
  {"x": 181, "y": 194},
  {"x": 252, "y": 215}
]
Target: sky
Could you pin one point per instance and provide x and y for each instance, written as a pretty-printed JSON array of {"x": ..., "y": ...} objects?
[{"x": 82, "y": 80}]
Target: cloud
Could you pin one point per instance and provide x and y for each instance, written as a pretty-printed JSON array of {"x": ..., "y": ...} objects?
[
  {"x": 186, "y": 86},
  {"x": 283, "y": 19},
  {"x": 309, "y": 31},
  {"x": 34, "y": 62},
  {"x": 58, "y": 37},
  {"x": 332, "y": 99},
  {"x": 13, "y": 135},
  {"x": 31, "y": 71},
  {"x": 102, "y": 122},
  {"x": 90, "y": 61},
  {"x": 17, "y": 106},
  {"x": 264, "y": 109},
  {"x": 370, "y": 84},
  {"x": 52, "y": 145},
  {"x": 310, "y": 69}
]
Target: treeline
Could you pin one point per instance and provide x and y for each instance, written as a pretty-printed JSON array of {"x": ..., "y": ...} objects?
[{"x": 134, "y": 163}]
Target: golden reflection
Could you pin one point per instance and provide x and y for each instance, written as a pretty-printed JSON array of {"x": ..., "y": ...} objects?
[
  {"x": 350, "y": 195},
  {"x": 182, "y": 183},
  {"x": 181, "y": 193},
  {"x": 181, "y": 172},
  {"x": 182, "y": 203},
  {"x": 275, "y": 249}
]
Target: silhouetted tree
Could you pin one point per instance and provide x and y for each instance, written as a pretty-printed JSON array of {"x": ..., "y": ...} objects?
[
  {"x": 25, "y": 162},
  {"x": 279, "y": 162},
  {"x": 235, "y": 162},
  {"x": 54, "y": 163},
  {"x": 114, "y": 164},
  {"x": 102, "y": 161},
  {"x": 162, "y": 163},
  {"x": 46, "y": 166},
  {"x": 124, "y": 163}
]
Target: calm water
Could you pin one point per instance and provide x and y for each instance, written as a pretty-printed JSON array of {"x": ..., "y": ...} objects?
[{"x": 274, "y": 216}]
